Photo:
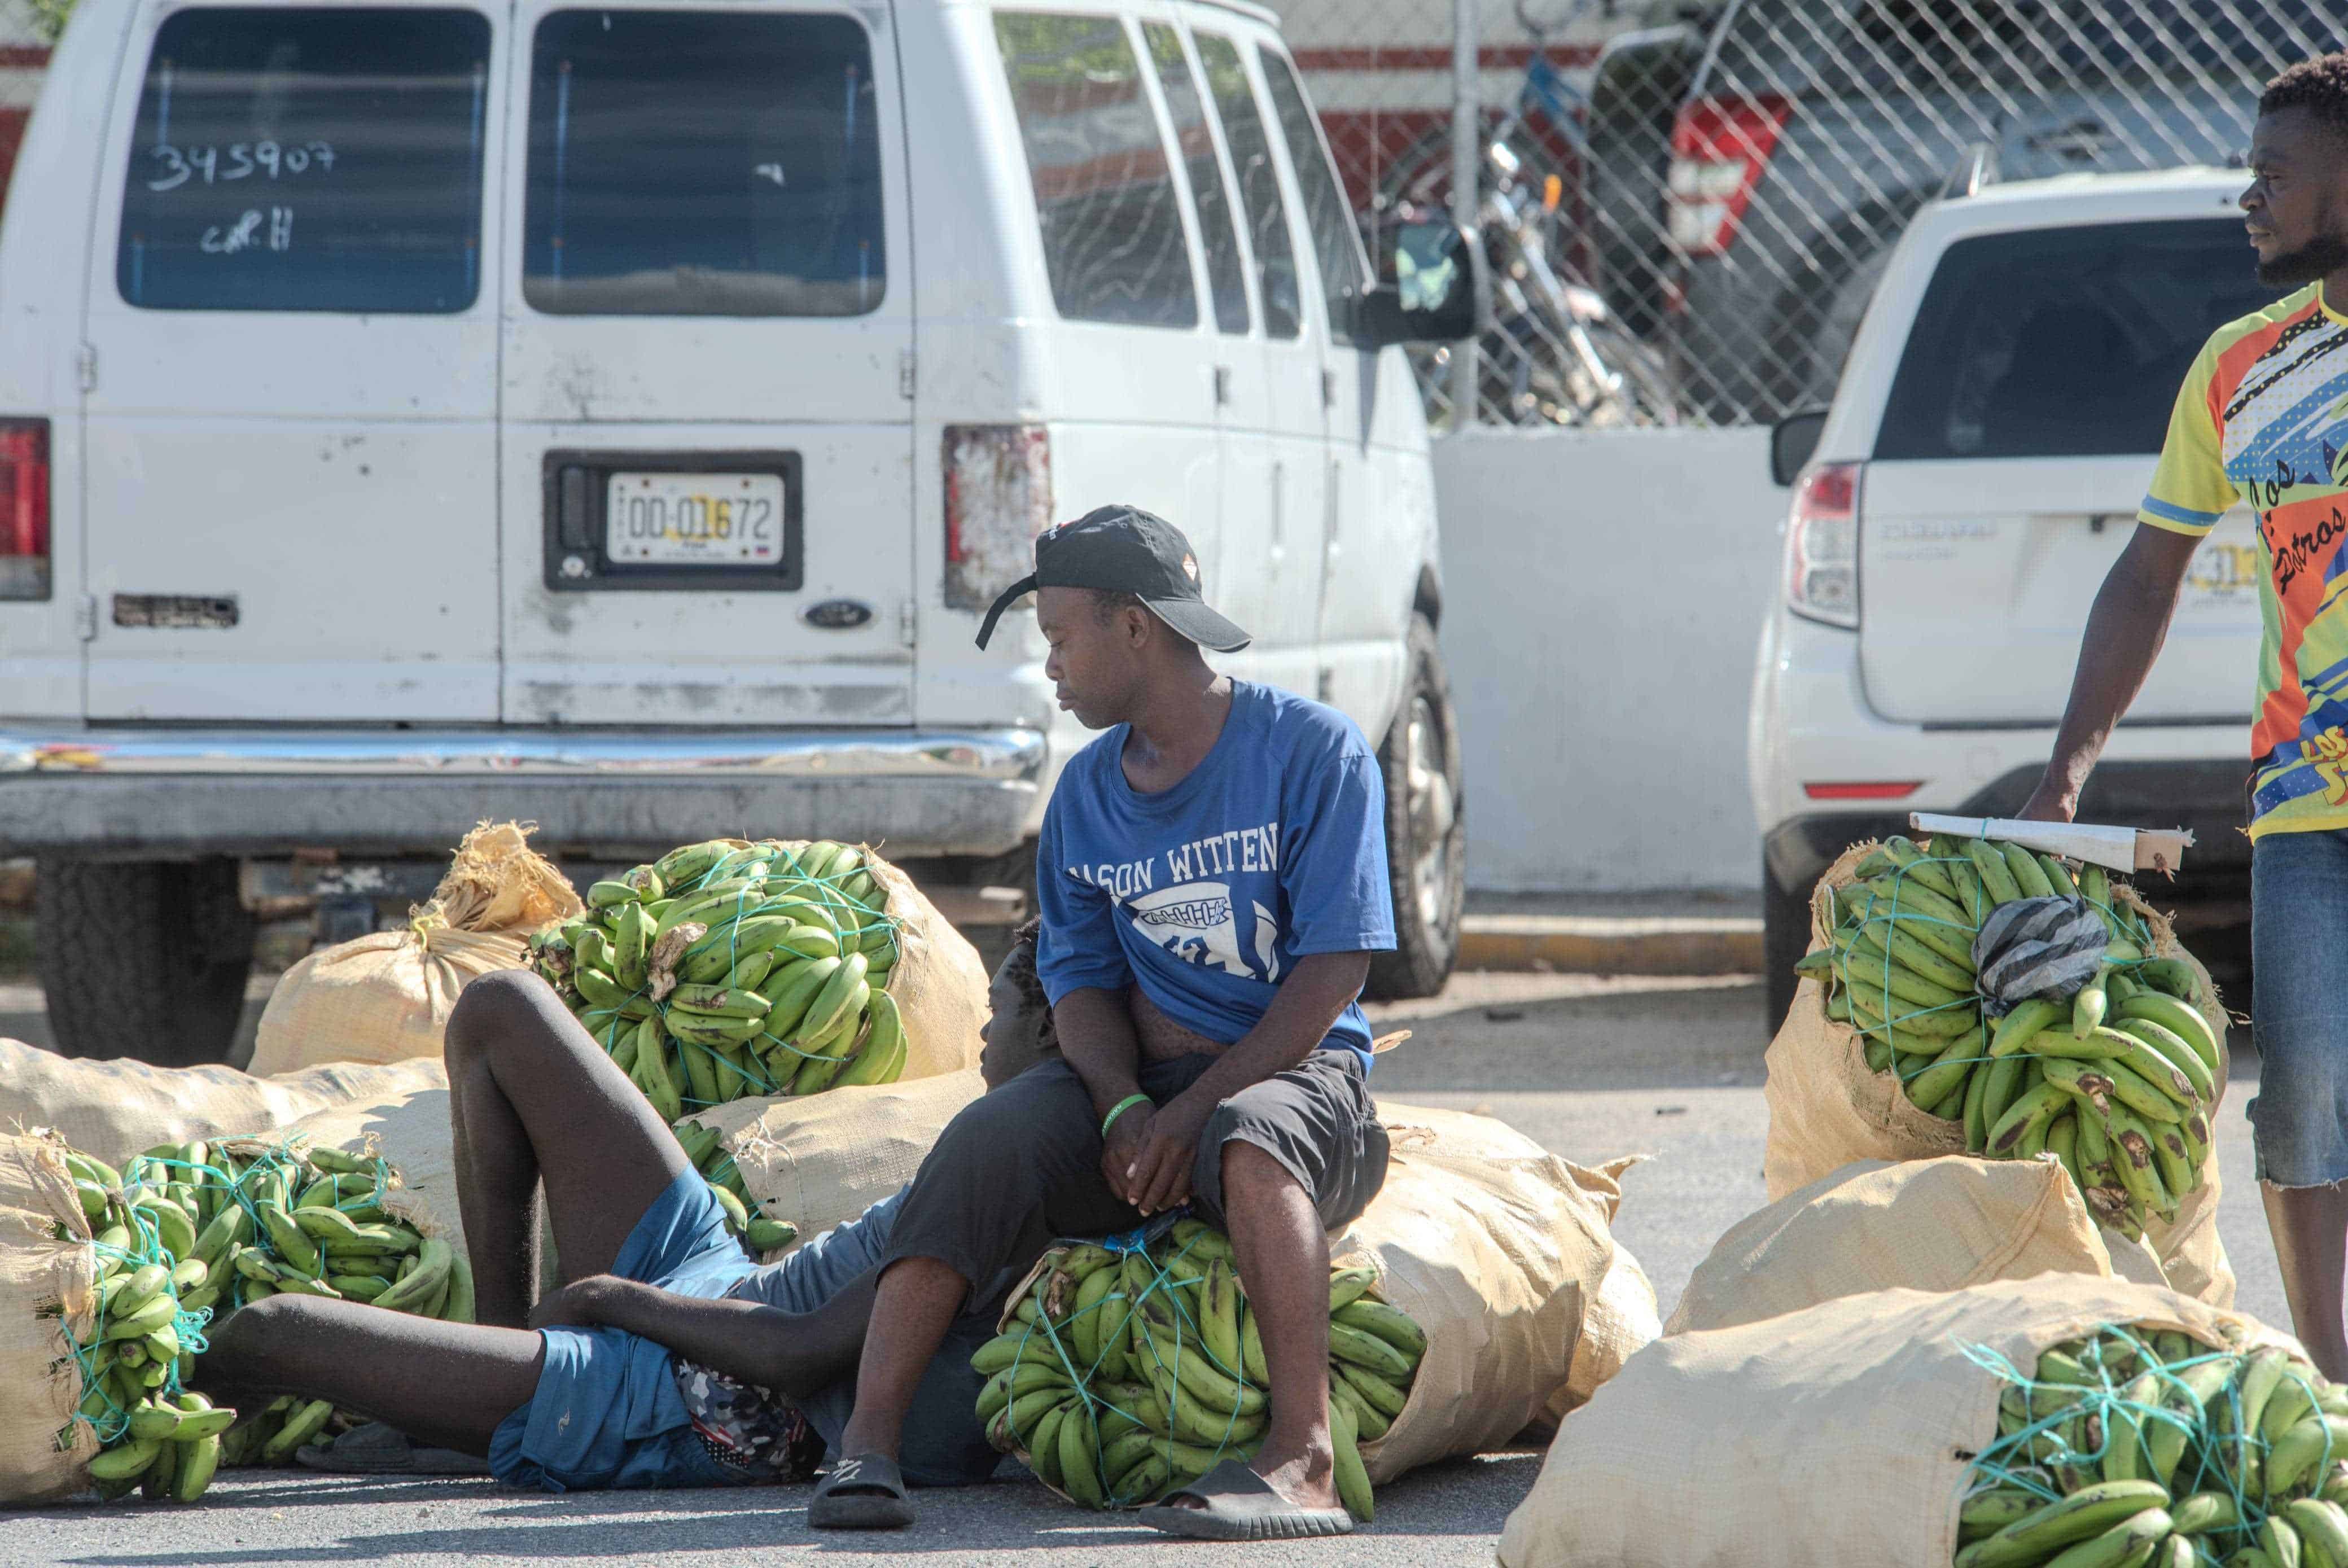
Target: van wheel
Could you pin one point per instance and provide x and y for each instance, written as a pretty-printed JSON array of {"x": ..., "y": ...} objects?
[
  {"x": 1427, "y": 830},
  {"x": 144, "y": 959},
  {"x": 1785, "y": 937}
]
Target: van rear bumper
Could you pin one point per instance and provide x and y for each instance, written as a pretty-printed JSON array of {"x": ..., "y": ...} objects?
[{"x": 164, "y": 791}]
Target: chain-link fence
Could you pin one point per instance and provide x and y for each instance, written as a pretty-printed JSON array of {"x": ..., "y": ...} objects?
[{"x": 1686, "y": 204}]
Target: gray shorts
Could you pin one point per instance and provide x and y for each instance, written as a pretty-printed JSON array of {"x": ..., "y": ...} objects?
[{"x": 1021, "y": 1165}]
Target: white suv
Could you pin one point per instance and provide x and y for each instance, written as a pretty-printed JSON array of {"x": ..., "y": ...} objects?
[
  {"x": 419, "y": 411},
  {"x": 1956, "y": 510}
]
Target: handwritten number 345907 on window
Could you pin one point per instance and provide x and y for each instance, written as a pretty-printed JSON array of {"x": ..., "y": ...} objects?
[{"x": 238, "y": 161}]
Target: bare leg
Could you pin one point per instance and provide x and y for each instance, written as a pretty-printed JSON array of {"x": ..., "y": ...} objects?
[
  {"x": 918, "y": 1299},
  {"x": 2310, "y": 1226},
  {"x": 1284, "y": 1257},
  {"x": 447, "y": 1385},
  {"x": 533, "y": 1097}
]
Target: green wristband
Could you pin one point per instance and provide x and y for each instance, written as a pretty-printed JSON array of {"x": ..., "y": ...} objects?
[{"x": 1120, "y": 1107}]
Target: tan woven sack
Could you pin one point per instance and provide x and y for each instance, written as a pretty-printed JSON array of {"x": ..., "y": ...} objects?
[
  {"x": 1828, "y": 1108},
  {"x": 1939, "y": 1224},
  {"x": 114, "y": 1110},
  {"x": 386, "y": 997},
  {"x": 45, "y": 1291},
  {"x": 823, "y": 1159},
  {"x": 1503, "y": 1253}
]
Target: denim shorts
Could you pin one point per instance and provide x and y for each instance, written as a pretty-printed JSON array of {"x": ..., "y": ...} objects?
[
  {"x": 2299, "y": 1005},
  {"x": 607, "y": 1412}
]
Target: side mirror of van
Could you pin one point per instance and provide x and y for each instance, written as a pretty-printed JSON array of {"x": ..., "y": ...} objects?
[
  {"x": 1433, "y": 297},
  {"x": 1792, "y": 440}
]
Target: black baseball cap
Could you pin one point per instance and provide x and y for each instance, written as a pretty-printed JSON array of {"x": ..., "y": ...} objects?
[{"x": 1124, "y": 550}]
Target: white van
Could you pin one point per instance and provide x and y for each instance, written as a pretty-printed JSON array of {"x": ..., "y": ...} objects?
[
  {"x": 1955, "y": 512},
  {"x": 619, "y": 417}
]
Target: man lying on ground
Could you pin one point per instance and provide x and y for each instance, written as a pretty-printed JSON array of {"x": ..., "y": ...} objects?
[
  {"x": 1220, "y": 853},
  {"x": 670, "y": 1358}
]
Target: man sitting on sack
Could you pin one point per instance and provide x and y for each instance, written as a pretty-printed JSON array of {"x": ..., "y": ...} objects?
[{"x": 1211, "y": 881}]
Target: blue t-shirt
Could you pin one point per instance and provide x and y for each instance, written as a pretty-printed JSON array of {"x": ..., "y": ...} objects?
[{"x": 1273, "y": 849}]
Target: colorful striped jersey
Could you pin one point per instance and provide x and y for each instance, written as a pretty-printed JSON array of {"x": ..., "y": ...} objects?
[{"x": 2262, "y": 417}]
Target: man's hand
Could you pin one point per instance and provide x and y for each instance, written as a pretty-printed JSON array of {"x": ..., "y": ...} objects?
[
  {"x": 582, "y": 1304},
  {"x": 2050, "y": 802},
  {"x": 1127, "y": 1136},
  {"x": 1160, "y": 1177}
]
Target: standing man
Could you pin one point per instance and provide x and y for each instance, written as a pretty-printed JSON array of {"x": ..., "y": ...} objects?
[
  {"x": 2263, "y": 418},
  {"x": 1212, "y": 882}
]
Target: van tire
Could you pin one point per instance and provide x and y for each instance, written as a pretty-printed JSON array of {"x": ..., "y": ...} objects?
[
  {"x": 1427, "y": 847},
  {"x": 145, "y": 959},
  {"x": 1785, "y": 937}
]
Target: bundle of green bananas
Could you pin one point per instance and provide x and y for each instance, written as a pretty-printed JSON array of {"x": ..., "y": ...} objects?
[
  {"x": 1124, "y": 1376},
  {"x": 2137, "y": 1448},
  {"x": 709, "y": 1156},
  {"x": 153, "y": 1431},
  {"x": 721, "y": 970},
  {"x": 2118, "y": 1081},
  {"x": 186, "y": 1234}
]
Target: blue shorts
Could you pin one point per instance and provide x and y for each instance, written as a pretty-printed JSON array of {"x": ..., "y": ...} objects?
[
  {"x": 2299, "y": 951},
  {"x": 607, "y": 1412}
]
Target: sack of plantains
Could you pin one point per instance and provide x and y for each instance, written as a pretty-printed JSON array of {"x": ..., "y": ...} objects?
[
  {"x": 110, "y": 1279},
  {"x": 386, "y": 997},
  {"x": 115, "y": 1109},
  {"x": 1970, "y": 996},
  {"x": 1457, "y": 1301},
  {"x": 1939, "y": 1224},
  {"x": 824, "y": 1158},
  {"x": 2060, "y": 1420},
  {"x": 1126, "y": 1370},
  {"x": 730, "y": 970}
]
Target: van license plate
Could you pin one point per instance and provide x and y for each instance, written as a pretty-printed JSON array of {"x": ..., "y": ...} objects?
[{"x": 693, "y": 519}]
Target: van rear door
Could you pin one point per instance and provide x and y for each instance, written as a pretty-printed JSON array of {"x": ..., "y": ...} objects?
[
  {"x": 290, "y": 378},
  {"x": 2019, "y": 436},
  {"x": 707, "y": 436}
]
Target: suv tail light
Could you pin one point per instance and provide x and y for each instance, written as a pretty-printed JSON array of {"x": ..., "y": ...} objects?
[
  {"x": 1719, "y": 148},
  {"x": 24, "y": 509},
  {"x": 998, "y": 484},
  {"x": 1822, "y": 545}
]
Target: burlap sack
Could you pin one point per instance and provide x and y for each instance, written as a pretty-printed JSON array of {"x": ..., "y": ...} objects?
[
  {"x": 114, "y": 1110},
  {"x": 1828, "y": 1108},
  {"x": 386, "y": 997},
  {"x": 1501, "y": 1250},
  {"x": 1921, "y": 1224},
  {"x": 824, "y": 1158},
  {"x": 1839, "y": 1436},
  {"x": 45, "y": 1291}
]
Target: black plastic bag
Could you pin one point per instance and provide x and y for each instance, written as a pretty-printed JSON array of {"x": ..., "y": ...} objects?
[{"x": 2037, "y": 947}]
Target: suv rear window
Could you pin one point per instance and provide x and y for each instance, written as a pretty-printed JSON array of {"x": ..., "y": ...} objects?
[
  {"x": 1113, "y": 240},
  {"x": 308, "y": 160},
  {"x": 698, "y": 163},
  {"x": 2063, "y": 341}
]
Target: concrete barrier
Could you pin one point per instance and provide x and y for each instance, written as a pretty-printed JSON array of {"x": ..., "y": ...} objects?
[{"x": 1603, "y": 593}]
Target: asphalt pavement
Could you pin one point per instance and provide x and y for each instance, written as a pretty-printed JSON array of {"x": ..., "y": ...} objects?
[{"x": 1591, "y": 1067}]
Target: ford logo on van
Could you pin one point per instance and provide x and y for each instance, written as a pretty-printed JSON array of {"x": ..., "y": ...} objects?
[{"x": 839, "y": 614}]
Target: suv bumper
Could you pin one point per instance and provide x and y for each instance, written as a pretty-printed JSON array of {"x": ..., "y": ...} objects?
[{"x": 163, "y": 792}]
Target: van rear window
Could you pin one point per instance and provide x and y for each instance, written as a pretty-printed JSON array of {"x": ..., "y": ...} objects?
[
  {"x": 1113, "y": 240},
  {"x": 2065, "y": 342},
  {"x": 702, "y": 163},
  {"x": 308, "y": 160}
]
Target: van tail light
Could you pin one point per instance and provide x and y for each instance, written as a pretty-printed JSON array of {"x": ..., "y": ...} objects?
[
  {"x": 24, "y": 509},
  {"x": 1822, "y": 545},
  {"x": 1719, "y": 148},
  {"x": 998, "y": 483}
]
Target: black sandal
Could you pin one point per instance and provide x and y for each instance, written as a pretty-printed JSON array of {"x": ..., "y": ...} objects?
[
  {"x": 865, "y": 1492},
  {"x": 1237, "y": 1504}
]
